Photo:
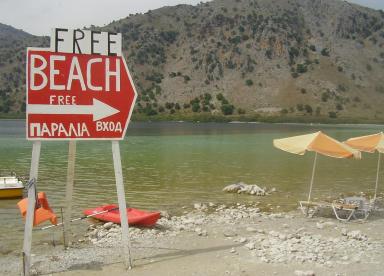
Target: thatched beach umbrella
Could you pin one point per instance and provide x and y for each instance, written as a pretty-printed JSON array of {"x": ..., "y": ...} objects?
[
  {"x": 369, "y": 143},
  {"x": 319, "y": 143}
]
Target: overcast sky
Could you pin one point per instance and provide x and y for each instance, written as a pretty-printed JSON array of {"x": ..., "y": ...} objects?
[{"x": 39, "y": 16}]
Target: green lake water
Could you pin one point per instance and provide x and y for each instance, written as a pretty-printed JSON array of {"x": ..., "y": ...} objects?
[{"x": 170, "y": 165}]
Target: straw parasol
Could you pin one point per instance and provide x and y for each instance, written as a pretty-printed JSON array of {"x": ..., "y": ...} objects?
[
  {"x": 319, "y": 143},
  {"x": 369, "y": 143}
]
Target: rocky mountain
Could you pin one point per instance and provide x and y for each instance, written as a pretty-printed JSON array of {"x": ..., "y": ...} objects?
[{"x": 292, "y": 59}]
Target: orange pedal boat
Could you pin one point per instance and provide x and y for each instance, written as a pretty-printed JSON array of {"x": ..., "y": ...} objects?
[{"x": 135, "y": 216}]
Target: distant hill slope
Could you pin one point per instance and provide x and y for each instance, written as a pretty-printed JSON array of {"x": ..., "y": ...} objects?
[
  {"x": 311, "y": 59},
  {"x": 13, "y": 45}
]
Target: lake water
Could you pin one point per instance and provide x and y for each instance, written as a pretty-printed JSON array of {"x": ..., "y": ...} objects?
[{"x": 170, "y": 165}]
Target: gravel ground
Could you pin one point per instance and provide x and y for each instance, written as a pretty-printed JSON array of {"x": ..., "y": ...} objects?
[{"x": 220, "y": 240}]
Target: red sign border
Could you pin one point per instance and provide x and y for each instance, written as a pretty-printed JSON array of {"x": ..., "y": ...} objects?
[{"x": 75, "y": 139}]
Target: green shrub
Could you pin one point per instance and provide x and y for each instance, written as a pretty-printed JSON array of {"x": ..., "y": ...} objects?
[
  {"x": 219, "y": 97},
  {"x": 150, "y": 112},
  {"x": 195, "y": 100},
  {"x": 325, "y": 52},
  {"x": 324, "y": 96},
  {"x": 341, "y": 87},
  {"x": 169, "y": 36},
  {"x": 241, "y": 111},
  {"x": 308, "y": 108},
  {"x": 249, "y": 82},
  {"x": 300, "y": 107},
  {"x": 301, "y": 68},
  {"x": 156, "y": 77},
  {"x": 207, "y": 98},
  {"x": 195, "y": 107},
  {"x": 332, "y": 114},
  {"x": 169, "y": 105},
  {"x": 227, "y": 109},
  {"x": 269, "y": 53}
]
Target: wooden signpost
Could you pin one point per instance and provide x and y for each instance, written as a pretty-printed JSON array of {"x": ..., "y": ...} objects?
[{"x": 78, "y": 89}]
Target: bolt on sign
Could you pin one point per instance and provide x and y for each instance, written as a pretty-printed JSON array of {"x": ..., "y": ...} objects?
[{"x": 79, "y": 88}]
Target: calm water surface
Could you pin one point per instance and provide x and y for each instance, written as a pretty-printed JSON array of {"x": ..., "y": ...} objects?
[{"x": 169, "y": 165}]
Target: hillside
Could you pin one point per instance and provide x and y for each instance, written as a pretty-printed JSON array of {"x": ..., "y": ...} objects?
[
  {"x": 312, "y": 59},
  {"x": 13, "y": 45}
]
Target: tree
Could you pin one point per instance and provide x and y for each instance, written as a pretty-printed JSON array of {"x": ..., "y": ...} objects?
[
  {"x": 195, "y": 107},
  {"x": 325, "y": 52},
  {"x": 227, "y": 109},
  {"x": 300, "y": 107},
  {"x": 308, "y": 108},
  {"x": 241, "y": 111},
  {"x": 249, "y": 82},
  {"x": 220, "y": 97},
  {"x": 301, "y": 68}
]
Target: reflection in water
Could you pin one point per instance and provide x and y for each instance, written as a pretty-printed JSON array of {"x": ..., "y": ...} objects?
[{"x": 169, "y": 165}]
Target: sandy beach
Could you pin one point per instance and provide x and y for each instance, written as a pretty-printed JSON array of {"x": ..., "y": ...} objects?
[{"x": 214, "y": 239}]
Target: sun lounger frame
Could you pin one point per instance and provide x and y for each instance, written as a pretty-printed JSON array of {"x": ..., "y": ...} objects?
[{"x": 351, "y": 209}]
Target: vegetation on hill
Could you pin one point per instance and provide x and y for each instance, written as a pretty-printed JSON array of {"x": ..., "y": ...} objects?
[{"x": 291, "y": 60}]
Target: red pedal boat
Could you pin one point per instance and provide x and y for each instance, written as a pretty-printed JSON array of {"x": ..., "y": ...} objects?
[{"x": 135, "y": 216}]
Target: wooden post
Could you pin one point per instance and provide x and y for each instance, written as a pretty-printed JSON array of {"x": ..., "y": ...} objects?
[
  {"x": 122, "y": 204},
  {"x": 31, "y": 208},
  {"x": 69, "y": 192}
]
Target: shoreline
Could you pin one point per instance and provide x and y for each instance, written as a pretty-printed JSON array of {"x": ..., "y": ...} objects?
[
  {"x": 220, "y": 240},
  {"x": 257, "y": 118},
  {"x": 234, "y": 122}
]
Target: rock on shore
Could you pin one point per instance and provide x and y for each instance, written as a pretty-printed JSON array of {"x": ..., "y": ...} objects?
[
  {"x": 242, "y": 188},
  {"x": 283, "y": 244}
]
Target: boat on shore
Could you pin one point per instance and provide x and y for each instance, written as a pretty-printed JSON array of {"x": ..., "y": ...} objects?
[
  {"x": 10, "y": 187},
  {"x": 111, "y": 213}
]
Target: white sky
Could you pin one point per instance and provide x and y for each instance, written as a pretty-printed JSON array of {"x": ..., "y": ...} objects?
[{"x": 39, "y": 16}]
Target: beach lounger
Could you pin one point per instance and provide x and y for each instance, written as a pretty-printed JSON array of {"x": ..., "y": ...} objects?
[{"x": 358, "y": 208}]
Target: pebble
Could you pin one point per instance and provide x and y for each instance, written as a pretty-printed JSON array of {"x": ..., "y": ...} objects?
[
  {"x": 229, "y": 233},
  {"x": 108, "y": 225},
  {"x": 251, "y": 229},
  {"x": 250, "y": 245},
  {"x": 357, "y": 235},
  {"x": 344, "y": 231},
  {"x": 242, "y": 240},
  {"x": 304, "y": 273}
]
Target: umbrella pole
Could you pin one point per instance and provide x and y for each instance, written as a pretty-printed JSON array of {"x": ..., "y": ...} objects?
[
  {"x": 377, "y": 177},
  {"x": 313, "y": 175}
]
